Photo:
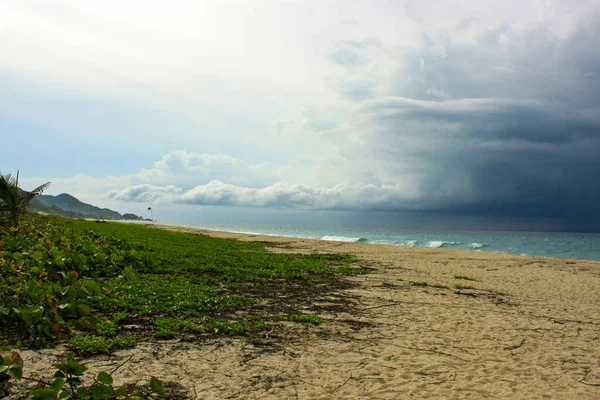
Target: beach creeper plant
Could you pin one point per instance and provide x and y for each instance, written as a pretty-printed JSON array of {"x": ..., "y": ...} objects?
[
  {"x": 67, "y": 383},
  {"x": 50, "y": 279}
]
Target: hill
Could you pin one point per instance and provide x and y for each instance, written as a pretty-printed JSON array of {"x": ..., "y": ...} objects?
[{"x": 66, "y": 205}]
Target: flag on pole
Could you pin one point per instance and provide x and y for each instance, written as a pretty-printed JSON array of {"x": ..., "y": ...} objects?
[{"x": 153, "y": 220}]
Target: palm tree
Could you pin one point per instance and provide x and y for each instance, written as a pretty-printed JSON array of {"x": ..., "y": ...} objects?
[{"x": 14, "y": 201}]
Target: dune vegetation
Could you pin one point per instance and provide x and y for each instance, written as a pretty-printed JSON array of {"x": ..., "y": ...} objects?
[{"x": 100, "y": 287}]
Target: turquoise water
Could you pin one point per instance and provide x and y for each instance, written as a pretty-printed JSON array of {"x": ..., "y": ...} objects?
[{"x": 584, "y": 246}]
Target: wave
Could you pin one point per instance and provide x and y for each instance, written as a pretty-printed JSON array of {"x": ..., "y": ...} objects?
[
  {"x": 383, "y": 242},
  {"x": 248, "y": 232},
  {"x": 477, "y": 245},
  {"x": 345, "y": 239},
  {"x": 434, "y": 244}
]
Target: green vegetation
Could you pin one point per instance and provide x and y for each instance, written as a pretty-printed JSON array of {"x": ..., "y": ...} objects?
[
  {"x": 52, "y": 277},
  {"x": 418, "y": 283},
  {"x": 440, "y": 286},
  {"x": 66, "y": 383},
  {"x": 303, "y": 318},
  {"x": 460, "y": 287},
  {"x": 103, "y": 287},
  {"x": 168, "y": 327},
  {"x": 466, "y": 278},
  {"x": 91, "y": 344},
  {"x": 62, "y": 276}
]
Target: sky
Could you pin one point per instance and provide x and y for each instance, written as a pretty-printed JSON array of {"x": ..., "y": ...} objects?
[{"x": 469, "y": 114}]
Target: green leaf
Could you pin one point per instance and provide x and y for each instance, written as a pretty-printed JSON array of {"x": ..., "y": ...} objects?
[
  {"x": 105, "y": 378},
  {"x": 32, "y": 315},
  {"x": 93, "y": 287},
  {"x": 44, "y": 394},
  {"x": 68, "y": 291},
  {"x": 66, "y": 394},
  {"x": 73, "y": 381},
  {"x": 15, "y": 371},
  {"x": 72, "y": 367},
  {"x": 3, "y": 368},
  {"x": 86, "y": 323},
  {"x": 102, "y": 392},
  {"x": 83, "y": 393},
  {"x": 82, "y": 310},
  {"x": 32, "y": 288},
  {"x": 157, "y": 387},
  {"x": 37, "y": 255},
  {"x": 129, "y": 273},
  {"x": 80, "y": 260},
  {"x": 57, "y": 384}
]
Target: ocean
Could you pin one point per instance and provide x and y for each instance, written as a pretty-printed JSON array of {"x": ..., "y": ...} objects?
[{"x": 583, "y": 246}]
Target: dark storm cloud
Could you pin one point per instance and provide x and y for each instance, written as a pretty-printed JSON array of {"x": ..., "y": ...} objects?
[
  {"x": 508, "y": 126},
  {"x": 494, "y": 119}
]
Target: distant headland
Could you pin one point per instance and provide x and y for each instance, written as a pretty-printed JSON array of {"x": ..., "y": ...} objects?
[{"x": 67, "y": 205}]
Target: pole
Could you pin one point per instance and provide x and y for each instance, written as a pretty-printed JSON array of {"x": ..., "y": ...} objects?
[{"x": 152, "y": 212}]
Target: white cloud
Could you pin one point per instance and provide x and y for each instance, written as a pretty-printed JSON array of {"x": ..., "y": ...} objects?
[
  {"x": 278, "y": 195},
  {"x": 187, "y": 169}
]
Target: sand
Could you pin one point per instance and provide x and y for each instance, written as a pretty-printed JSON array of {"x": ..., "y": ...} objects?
[{"x": 527, "y": 328}]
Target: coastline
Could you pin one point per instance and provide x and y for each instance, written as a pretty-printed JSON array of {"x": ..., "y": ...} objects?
[
  {"x": 251, "y": 236},
  {"x": 526, "y": 327},
  {"x": 566, "y": 245},
  {"x": 517, "y": 327}
]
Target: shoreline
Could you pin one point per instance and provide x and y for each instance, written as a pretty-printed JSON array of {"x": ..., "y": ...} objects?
[
  {"x": 427, "y": 323},
  {"x": 249, "y": 236}
]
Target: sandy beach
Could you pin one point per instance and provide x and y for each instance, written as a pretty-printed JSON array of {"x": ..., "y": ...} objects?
[{"x": 519, "y": 328}]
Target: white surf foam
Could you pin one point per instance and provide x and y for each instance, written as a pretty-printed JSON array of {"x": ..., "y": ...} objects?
[
  {"x": 343, "y": 239},
  {"x": 434, "y": 244}
]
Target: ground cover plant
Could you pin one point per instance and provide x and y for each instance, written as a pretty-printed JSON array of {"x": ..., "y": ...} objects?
[
  {"x": 466, "y": 278},
  {"x": 307, "y": 319},
  {"x": 101, "y": 287},
  {"x": 67, "y": 383}
]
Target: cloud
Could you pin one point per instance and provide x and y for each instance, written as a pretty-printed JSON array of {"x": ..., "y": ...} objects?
[
  {"x": 279, "y": 195},
  {"x": 501, "y": 122},
  {"x": 188, "y": 169},
  {"x": 347, "y": 58},
  {"x": 143, "y": 193},
  {"x": 494, "y": 119}
]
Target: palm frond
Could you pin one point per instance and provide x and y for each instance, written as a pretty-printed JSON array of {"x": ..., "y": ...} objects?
[
  {"x": 26, "y": 197},
  {"x": 14, "y": 201}
]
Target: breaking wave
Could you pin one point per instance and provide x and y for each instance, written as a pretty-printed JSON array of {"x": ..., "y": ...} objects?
[
  {"x": 435, "y": 244},
  {"x": 345, "y": 239}
]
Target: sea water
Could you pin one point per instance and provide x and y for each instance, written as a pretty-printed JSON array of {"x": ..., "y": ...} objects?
[{"x": 584, "y": 246}]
